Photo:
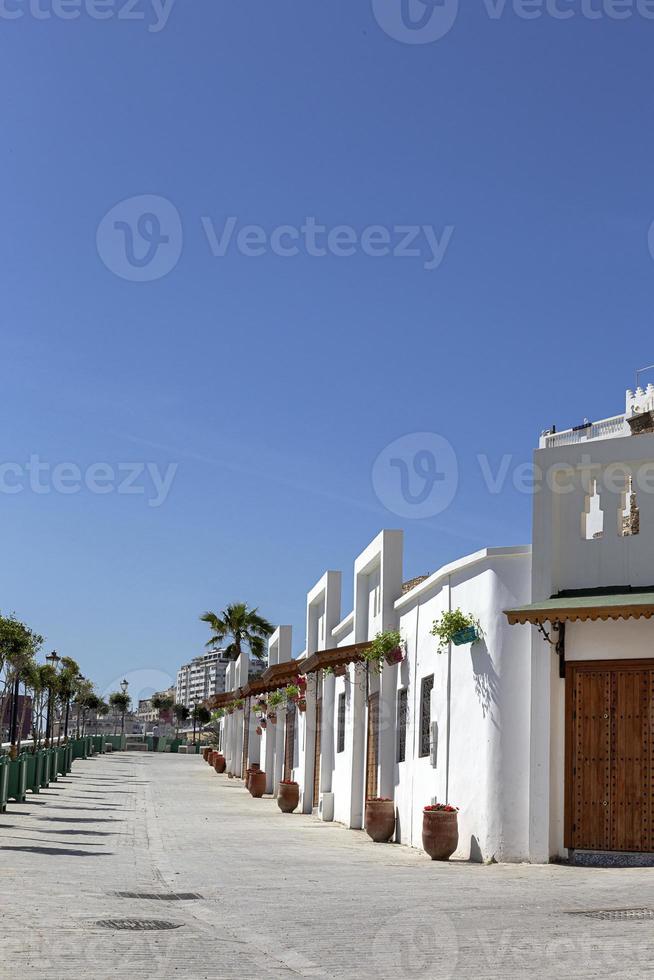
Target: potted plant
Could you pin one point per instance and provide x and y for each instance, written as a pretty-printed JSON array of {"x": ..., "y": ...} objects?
[
  {"x": 263, "y": 724},
  {"x": 388, "y": 647},
  {"x": 454, "y": 626},
  {"x": 340, "y": 670},
  {"x": 301, "y": 682},
  {"x": 328, "y": 671},
  {"x": 440, "y": 831},
  {"x": 288, "y": 795},
  {"x": 292, "y": 692},
  {"x": 272, "y": 717},
  {"x": 302, "y": 704},
  {"x": 257, "y": 783},
  {"x": 259, "y": 730},
  {"x": 239, "y": 703},
  {"x": 219, "y": 762},
  {"x": 380, "y": 819}
]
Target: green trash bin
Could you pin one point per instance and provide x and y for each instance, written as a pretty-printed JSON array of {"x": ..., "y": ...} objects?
[
  {"x": 54, "y": 776},
  {"x": 17, "y": 779},
  {"x": 45, "y": 768},
  {"x": 4, "y": 782},
  {"x": 32, "y": 779}
]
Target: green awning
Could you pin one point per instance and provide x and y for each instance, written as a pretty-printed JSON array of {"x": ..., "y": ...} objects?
[{"x": 585, "y": 606}]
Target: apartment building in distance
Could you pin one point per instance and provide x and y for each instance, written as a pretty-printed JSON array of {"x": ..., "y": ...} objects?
[{"x": 202, "y": 678}]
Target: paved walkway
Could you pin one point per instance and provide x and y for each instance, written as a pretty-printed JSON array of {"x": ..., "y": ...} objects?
[{"x": 281, "y": 896}]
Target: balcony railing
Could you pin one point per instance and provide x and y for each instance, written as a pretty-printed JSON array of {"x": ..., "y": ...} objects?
[{"x": 605, "y": 429}]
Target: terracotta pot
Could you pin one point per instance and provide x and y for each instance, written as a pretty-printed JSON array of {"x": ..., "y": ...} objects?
[
  {"x": 340, "y": 671},
  {"x": 380, "y": 820},
  {"x": 302, "y": 704},
  {"x": 272, "y": 717},
  {"x": 257, "y": 783},
  {"x": 205, "y": 754},
  {"x": 288, "y": 797},
  {"x": 440, "y": 834},
  {"x": 219, "y": 762},
  {"x": 254, "y": 767}
]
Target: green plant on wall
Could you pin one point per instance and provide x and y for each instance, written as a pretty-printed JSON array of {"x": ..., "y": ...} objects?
[
  {"x": 456, "y": 627},
  {"x": 276, "y": 699},
  {"x": 387, "y": 647}
]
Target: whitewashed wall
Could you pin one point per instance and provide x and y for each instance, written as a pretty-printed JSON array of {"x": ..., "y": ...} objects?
[
  {"x": 479, "y": 758},
  {"x": 564, "y": 559}
]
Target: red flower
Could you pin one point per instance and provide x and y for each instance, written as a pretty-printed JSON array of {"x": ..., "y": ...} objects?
[{"x": 441, "y": 808}]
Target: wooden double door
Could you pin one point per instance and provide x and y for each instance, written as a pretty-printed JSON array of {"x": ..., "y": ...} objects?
[{"x": 610, "y": 755}]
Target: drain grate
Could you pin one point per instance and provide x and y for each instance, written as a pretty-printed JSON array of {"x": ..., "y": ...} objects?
[
  {"x": 161, "y": 896},
  {"x": 137, "y": 925},
  {"x": 616, "y": 915}
]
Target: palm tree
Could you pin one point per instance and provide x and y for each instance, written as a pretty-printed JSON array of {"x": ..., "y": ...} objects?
[
  {"x": 245, "y": 627},
  {"x": 162, "y": 703},
  {"x": 102, "y": 712},
  {"x": 181, "y": 713},
  {"x": 18, "y": 646},
  {"x": 67, "y": 680},
  {"x": 120, "y": 702},
  {"x": 201, "y": 715}
]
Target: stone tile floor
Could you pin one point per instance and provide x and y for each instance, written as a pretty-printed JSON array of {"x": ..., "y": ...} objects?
[{"x": 282, "y": 895}]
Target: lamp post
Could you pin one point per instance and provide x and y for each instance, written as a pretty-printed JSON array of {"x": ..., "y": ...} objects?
[
  {"x": 194, "y": 712},
  {"x": 124, "y": 684},
  {"x": 13, "y": 718},
  {"x": 52, "y": 658},
  {"x": 80, "y": 677}
]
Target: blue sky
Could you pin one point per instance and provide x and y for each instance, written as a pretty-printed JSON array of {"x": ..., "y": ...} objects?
[{"x": 273, "y": 383}]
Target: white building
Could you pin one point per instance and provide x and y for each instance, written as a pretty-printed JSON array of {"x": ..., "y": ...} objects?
[
  {"x": 202, "y": 678},
  {"x": 542, "y": 731}
]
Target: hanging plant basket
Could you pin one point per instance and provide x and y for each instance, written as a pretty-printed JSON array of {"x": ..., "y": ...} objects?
[
  {"x": 340, "y": 671},
  {"x": 263, "y": 724},
  {"x": 302, "y": 704},
  {"x": 259, "y": 730},
  {"x": 386, "y": 648},
  {"x": 272, "y": 717},
  {"x": 395, "y": 656},
  {"x": 468, "y": 635},
  {"x": 456, "y": 627}
]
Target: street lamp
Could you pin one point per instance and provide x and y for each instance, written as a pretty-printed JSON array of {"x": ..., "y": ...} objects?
[
  {"x": 124, "y": 684},
  {"x": 53, "y": 659},
  {"x": 80, "y": 678}
]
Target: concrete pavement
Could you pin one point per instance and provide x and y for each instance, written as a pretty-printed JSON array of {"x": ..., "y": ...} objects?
[{"x": 280, "y": 895}]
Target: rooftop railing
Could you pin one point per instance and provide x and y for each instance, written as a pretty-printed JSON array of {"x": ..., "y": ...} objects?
[{"x": 611, "y": 428}]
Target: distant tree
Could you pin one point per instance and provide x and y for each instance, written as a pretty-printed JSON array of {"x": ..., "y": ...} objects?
[
  {"x": 120, "y": 702},
  {"x": 18, "y": 648},
  {"x": 201, "y": 716},
  {"x": 162, "y": 703},
  {"x": 244, "y": 626},
  {"x": 182, "y": 715}
]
